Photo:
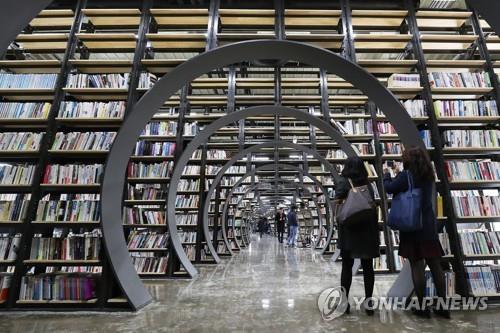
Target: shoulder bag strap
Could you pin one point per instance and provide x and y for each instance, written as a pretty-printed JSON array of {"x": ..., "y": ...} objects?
[{"x": 352, "y": 186}]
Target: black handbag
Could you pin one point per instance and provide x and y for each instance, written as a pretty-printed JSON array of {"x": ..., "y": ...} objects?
[{"x": 357, "y": 207}]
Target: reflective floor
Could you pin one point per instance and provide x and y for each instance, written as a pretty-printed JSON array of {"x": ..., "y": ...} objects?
[{"x": 266, "y": 288}]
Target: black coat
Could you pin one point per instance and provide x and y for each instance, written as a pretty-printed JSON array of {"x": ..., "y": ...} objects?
[
  {"x": 280, "y": 220},
  {"x": 429, "y": 222},
  {"x": 360, "y": 241}
]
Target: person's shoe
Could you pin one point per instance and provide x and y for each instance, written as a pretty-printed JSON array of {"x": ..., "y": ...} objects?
[
  {"x": 348, "y": 309},
  {"x": 368, "y": 306},
  {"x": 425, "y": 313},
  {"x": 443, "y": 313}
]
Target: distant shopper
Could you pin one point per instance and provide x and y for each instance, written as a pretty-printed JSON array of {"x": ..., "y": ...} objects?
[
  {"x": 420, "y": 247},
  {"x": 280, "y": 220},
  {"x": 262, "y": 226},
  {"x": 293, "y": 225},
  {"x": 360, "y": 240}
]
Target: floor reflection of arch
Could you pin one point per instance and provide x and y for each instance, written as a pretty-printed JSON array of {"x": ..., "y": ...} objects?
[
  {"x": 328, "y": 202},
  {"x": 235, "y": 158}
]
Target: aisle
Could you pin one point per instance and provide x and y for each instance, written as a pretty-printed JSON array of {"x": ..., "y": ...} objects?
[{"x": 265, "y": 288}]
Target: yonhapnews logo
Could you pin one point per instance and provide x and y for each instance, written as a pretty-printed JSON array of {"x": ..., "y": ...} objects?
[{"x": 332, "y": 303}]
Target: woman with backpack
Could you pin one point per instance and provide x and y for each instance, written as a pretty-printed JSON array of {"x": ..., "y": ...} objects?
[
  {"x": 421, "y": 247},
  {"x": 360, "y": 240}
]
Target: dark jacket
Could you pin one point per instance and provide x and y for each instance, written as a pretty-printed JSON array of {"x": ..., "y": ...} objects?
[
  {"x": 361, "y": 241},
  {"x": 292, "y": 218},
  {"x": 429, "y": 222},
  {"x": 262, "y": 225},
  {"x": 280, "y": 220}
]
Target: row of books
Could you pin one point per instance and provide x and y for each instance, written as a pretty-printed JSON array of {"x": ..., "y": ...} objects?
[
  {"x": 98, "y": 80},
  {"x": 476, "y": 203},
  {"x": 111, "y": 109},
  {"x": 166, "y": 128},
  {"x": 147, "y": 240},
  {"x": 187, "y": 237},
  {"x": 143, "y": 215},
  {"x": 465, "y": 108},
  {"x": 29, "y": 110},
  {"x": 472, "y": 138},
  {"x": 444, "y": 239},
  {"x": 393, "y": 235},
  {"x": 392, "y": 148},
  {"x": 69, "y": 208},
  {"x": 191, "y": 129},
  {"x": 188, "y": 185},
  {"x": 16, "y": 174},
  {"x": 459, "y": 79},
  {"x": 449, "y": 283},
  {"x": 354, "y": 126},
  {"x": 150, "y": 170},
  {"x": 86, "y": 246},
  {"x": 190, "y": 251},
  {"x": 44, "y": 81},
  {"x": 186, "y": 219},
  {"x": 145, "y": 263},
  {"x": 98, "y": 141},
  {"x": 59, "y": 287},
  {"x": 147, "y": 192},
  {"x": 384, "y": 127},
  {"x": 20, "y": 141},
  {"x": 415, "y": 108},
  {"x": 483, "y": 279},
  {"x": 187, "y": 201},
  {"x": 147, "y": 148},
  {"x": 480, "y": 242},
  {"x": 195, "y": 170},
  {"x": 238, "y": 169},
  {"x": 404, "y": 80},
  {"x": 360, "y": 148},
  {"x": 13, "y": 207},
  {"x": 72, "y": 174},
  {"x": 146, "y": 80},
  {"x": 472, "y": 170},
  {"x": 9, "y": 246}
]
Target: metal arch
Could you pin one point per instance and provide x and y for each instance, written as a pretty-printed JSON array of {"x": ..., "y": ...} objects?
[
  {"x": 235, "y": 116},
  {"x": 264, "y": 167},
  {"x": 253, "y": 187},
  {"x": 144, "y": 109},
  {"x": 327, "y": 201},
  {"x": 282, "y": 181},
  {"x": 315, "y": 200}
]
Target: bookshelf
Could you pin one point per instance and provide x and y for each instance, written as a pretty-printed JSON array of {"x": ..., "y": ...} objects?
[{"x": 86, "y": 67}]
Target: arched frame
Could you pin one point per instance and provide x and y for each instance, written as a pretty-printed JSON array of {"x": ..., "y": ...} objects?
[
  {"x": 252, "y": 172},
  {"x": 271, "y": 144}
]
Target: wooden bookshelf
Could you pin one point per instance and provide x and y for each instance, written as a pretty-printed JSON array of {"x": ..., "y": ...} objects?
[
  {"x": 181, "y": 17},
  {"x": 115, "y": 17},
  {"x": 108, "y": 41}
]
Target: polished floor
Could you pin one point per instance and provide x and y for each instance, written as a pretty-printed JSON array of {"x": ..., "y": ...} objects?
[{"x": 266, "y": 288}]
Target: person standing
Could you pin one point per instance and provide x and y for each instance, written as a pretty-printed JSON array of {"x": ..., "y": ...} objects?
[
  {"x": 293, "y": 224},
  {"x": 361, "y": 240},
  {"x": 280, "y": 220},
  {"x": 420, "y": 247},
  {"x": 262, "y": 226}
]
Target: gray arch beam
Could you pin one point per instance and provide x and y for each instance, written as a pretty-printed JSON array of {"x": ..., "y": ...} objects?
[
  {"x": 288, "y": 112},
  {"x": 279, "y": 166},
  {"x": 144, "y": 109},
  {"x": 328, "y": 202},
  {"x": 255, "y": 188},
  {"x": 226, "y": 204}
]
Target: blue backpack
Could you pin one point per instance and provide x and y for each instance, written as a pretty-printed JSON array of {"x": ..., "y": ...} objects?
[{"x": 406, "y": 209}]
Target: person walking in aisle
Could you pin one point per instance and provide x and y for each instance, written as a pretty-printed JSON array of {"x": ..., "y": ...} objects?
[
  {"x": 280, "y": 220},
  {"x": 293, "y": 225},
  {"x": 262, "y": 227},
  {"x": 420, "y": 247},
  {"x": 361, "y": 240}
]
